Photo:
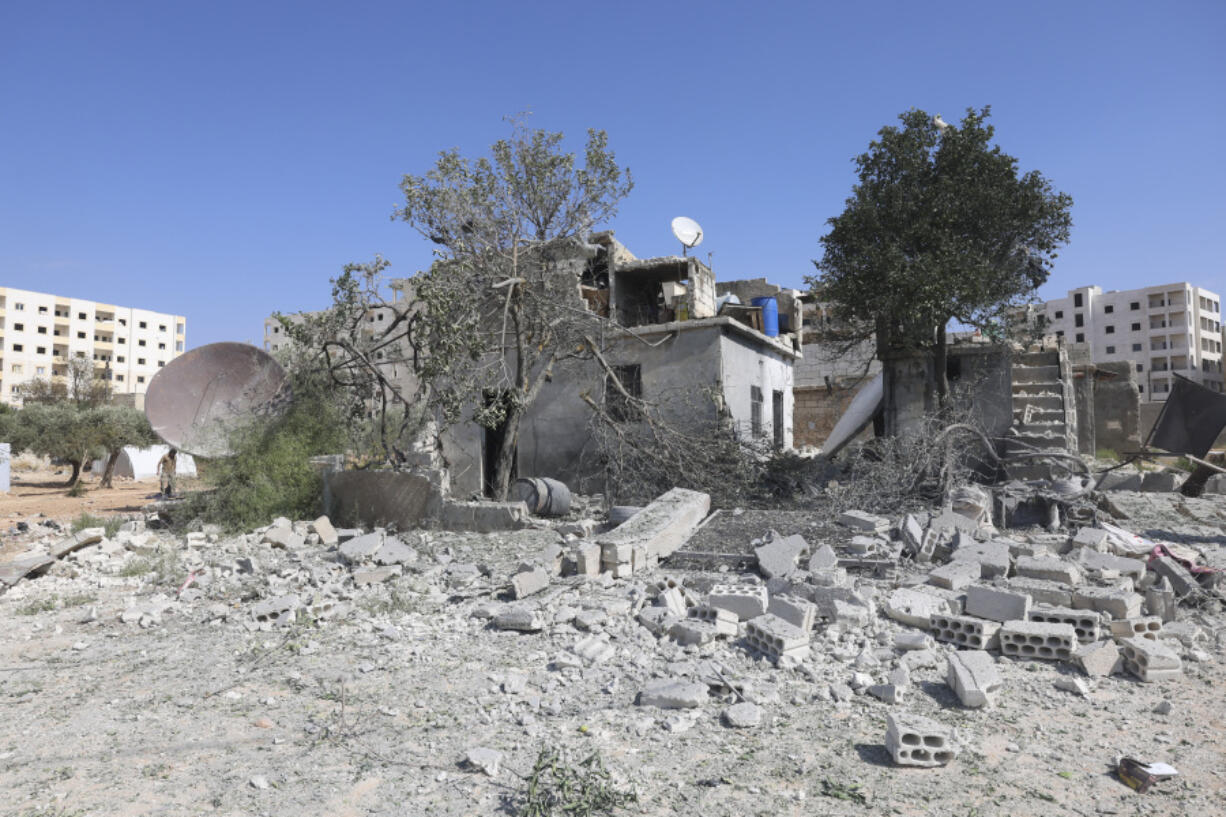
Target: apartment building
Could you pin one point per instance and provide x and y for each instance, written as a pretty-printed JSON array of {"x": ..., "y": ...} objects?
[
  {"x": 40, "y": 333},
  {"x": 1161, "y": 330}
]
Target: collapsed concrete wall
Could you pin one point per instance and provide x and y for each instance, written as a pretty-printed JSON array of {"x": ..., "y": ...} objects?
[
  {"x": 1117, "y": 408},
  {"x": 981, "y": 372}
]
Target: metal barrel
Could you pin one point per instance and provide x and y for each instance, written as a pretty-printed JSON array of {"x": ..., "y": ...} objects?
[{"x": 542, "y": 495}]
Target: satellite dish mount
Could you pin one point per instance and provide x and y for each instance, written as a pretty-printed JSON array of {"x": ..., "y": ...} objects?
[{"x": 687, "y": 232}]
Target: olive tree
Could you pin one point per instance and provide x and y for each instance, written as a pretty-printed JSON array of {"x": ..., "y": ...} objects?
[{"x": 496, "y": 312}]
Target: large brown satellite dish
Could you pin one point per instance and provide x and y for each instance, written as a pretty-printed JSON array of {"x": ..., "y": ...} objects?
[{"x": 196, "y": 401}]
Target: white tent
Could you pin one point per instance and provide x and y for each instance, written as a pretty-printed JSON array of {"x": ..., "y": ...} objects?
[{"x": 142, "y": 463}]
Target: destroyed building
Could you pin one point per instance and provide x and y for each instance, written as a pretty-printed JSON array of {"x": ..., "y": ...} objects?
[{"x": 706, "y": 354}]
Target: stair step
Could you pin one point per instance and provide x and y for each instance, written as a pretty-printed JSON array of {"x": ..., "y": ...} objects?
[{"x": 1036, "y": 374}]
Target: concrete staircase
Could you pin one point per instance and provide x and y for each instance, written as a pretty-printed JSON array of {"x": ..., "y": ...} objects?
[{"x": 1044, "y": 411}]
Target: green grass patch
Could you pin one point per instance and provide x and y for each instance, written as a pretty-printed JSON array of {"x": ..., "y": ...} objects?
[{"x": 110, "y": 525}]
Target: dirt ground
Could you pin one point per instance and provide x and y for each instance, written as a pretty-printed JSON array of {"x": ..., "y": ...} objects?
[{"x": 122, "y": 693}]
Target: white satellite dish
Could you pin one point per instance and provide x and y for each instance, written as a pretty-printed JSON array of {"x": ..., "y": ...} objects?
[{"x": 687, "y": 232}]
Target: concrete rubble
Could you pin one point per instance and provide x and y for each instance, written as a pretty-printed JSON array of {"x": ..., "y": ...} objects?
[{"x": 599, "y": 632}]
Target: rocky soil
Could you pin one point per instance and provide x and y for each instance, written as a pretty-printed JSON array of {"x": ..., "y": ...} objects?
[{"x": 274, "y": 673}]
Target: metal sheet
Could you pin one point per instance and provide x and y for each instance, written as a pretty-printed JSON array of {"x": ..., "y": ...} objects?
[{"x": 196, "y": 401}]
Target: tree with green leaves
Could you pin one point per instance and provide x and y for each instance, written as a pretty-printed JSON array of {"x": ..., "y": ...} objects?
[
  {"x": 941, "y": 226},
  {"x": 499, "y": 309},
  {"x": 119, "y": 427}
]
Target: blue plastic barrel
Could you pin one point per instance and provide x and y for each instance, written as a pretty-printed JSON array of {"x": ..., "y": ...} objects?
[{"x": 770, "y": 315}]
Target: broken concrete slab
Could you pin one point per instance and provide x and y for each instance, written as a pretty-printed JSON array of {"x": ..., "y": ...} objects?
[
  {"x": 743, "y": 715},
  {"x": 1043, "y": 592},
  {"x": 80, "y": 539},
  {"x": 823, "y": 559},
  {"x": 1118, "y": 601},
  {"x": 859, "y": 520},
  {"x": 914, "y": 607},
  {"x": 1095, "y": 561},
  {"x": 797, "y": 612},
  {"x": 779, "y": 558},
  {"x": 1047, "y": 569},
  {"x": 395, "y": 552},
  {"x": 1181, "y": 579},
  {"x": 994, "y": 558},
  {"x": 973, "y": 676},
  {"x": 322, "y": 527},
  {"x": 996, "y": 604},
  {"x": 1099, "y": 659},
  {"x": 518, "y": 618},
  {"x": 483, "y": 517},
  {"x": 956, "y": 575},
  {"x": 526, "y": 582},
  {"x": 670, "y": 693},
  {"x": 374, "y": 575},
  {"x": 664, "y": 525},
  {"x": 775, "y": 637},
  {"x": 31, "y": 564},
  {"x": 361, "y": 548}
]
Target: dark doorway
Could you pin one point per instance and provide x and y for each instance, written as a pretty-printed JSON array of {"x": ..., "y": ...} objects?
[
  {"x": 491, "y": 442},
  {"x": 777, "y": 419}
]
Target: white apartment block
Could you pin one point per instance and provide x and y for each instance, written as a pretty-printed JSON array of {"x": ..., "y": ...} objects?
[
  {"x": 1176, "y": 328},
  {"x": 39, "y": 333}
]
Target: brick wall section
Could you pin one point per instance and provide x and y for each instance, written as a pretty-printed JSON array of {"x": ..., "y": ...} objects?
[{"x": 817, "y": 409}]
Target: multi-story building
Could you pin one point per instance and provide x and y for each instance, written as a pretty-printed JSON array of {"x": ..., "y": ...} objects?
[
  {"x": 1161, "y": 330},
  {"x": 40, "y": 333}
]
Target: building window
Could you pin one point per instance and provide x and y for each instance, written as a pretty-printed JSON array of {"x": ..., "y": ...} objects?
[
  {"x": 161, "y": 327},
  {"x": 1059, "y": 314},
  {"x": 1136, "y": 327},
  {"x": 1079, "y": 319},
  {"x": 19, "y": 307},
  {"x": 121, "y": 340},
  {"x": 42, "y": 330},
  {"x": 1077, "y": 300},
  {"x": 20, "y": 327},
  {"x": 143, "y": 325},
  {"x": 1059, "y": 333},
  {"x": 178, "y": 329},
  {"x": 81, "y": 316},
  {"x": 40, "y": 370},
  {"x": 140, "y": 378},
  {"x": 119, "y": 358},
  {"x": 123, "y": 321},
  {"x": 1134, "y": 306},
  {"x": 1110, "y": 350},
  {"x": 1140, "y": 388},
  {"x": 162, "y": 363},
  {"x": 1140, "y": 367},
  {"x": 81, "y": 335},
  {"x": 1110, "y": 330},
  {"x": 140, "y": 361},
  {"x": 1108, "y": 309},
  {"x": 119, "y": 378},
  {"x": 178, "y": 346},
  {"x": 42, "y": 350},
  {"x": 1136, "y": 347},
  {"x": 17, "y": 347},
  {"x": 631, "y": 379},
  {"x": 1081, "y": 338},
  {"x": 42, "y": 310},
  {"x": 16, "y": 368},
  {"x": 161, "y": 345},
  {"x": 755, "y": 410}
]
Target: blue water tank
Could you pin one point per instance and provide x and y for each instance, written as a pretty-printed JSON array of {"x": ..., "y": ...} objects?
[{"x": 770, "y": 315}]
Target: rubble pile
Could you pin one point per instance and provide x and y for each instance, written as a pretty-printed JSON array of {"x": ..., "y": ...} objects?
[{"x": 912, "y": 623}]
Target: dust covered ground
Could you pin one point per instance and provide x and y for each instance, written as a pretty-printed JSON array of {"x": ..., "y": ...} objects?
[{"x": 121, "y": 696}]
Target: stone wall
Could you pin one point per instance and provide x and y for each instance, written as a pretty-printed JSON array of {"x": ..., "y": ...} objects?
[{"x": 1117, "y": 408}]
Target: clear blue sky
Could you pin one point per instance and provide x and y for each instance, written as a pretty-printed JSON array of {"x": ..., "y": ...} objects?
[{"x": 222, "y": 160}]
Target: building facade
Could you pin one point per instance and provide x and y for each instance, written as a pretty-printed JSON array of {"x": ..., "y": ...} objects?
[
  {"x": 1161, "y": 330},
  {"x": 40, "y": 333}
]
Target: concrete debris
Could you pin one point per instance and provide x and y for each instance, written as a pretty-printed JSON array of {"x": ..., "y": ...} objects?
[
  {"x": 966, "y": 631},
  {"x": 671, "y": 693},
  {"x": 484, "y": 759},
  {"x": 1150, "y": 660},
  {"x": 1119, "y": 602},
  {"x": 860, "y": 520},
  {"x": 746, "y": 601},
  {"x": 776, "y": 638},
  {"x": 914, "y": 607},
  {"x": 743, "y": 715},
  {"x": 361, "y": 548},
  {"x": 1034, "y": 639},
  {"x": 973, "y": 676},
  {"x": 823, "y": 559},
  {"x": 956, "y": 575},
  {"x": 1047, "y": 569},
  {"x": 913, "y": 740},
  {"x": 1084, "y": 624},
  {"x": 780, "y": 557},
  {"x": 394, "y": 552},
  {"x": 519, "y": 618},
  {"x": 1099, "y": 659},
  {"x": 322, "y": 527},
  {"x": 996, "y": 604},
  {"x": 527, "y": 582}
]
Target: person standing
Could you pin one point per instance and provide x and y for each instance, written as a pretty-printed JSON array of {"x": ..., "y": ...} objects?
[{"x": 166, "y": 473}]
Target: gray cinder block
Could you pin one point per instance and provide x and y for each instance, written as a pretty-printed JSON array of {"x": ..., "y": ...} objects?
[{"x": 913, "y": 740}]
